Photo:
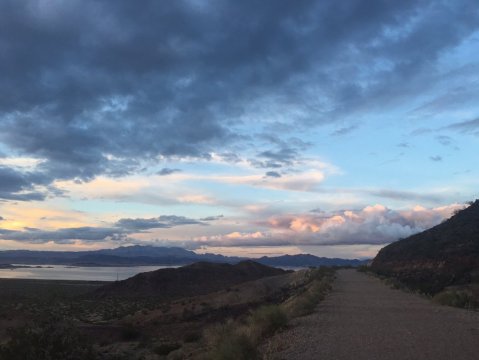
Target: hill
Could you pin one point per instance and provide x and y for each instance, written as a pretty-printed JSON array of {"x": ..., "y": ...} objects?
[
  {"x": 191, "y": 280},
  {"x": 303, "y": 260},
  {"x": 445, "y": 255}
]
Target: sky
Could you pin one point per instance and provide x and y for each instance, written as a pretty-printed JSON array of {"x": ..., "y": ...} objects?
[{"x": 236, "y": 127}]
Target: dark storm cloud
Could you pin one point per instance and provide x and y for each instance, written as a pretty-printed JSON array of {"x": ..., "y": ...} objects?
[
  {"x": 167, "y": 171},
  {"x": 20, "y": 186},
  {"x": 93, "y": 87},
  {"x": 163, "y": 221}
]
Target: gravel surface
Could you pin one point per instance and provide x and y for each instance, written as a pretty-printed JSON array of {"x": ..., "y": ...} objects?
[{"x": 364, "y": 319}]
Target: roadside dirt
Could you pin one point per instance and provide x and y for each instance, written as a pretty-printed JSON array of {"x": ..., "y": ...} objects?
[{"x": 364, "y": 319}]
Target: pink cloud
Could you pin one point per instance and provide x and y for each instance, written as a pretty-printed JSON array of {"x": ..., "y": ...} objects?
[{"x": 375, "y": 225}]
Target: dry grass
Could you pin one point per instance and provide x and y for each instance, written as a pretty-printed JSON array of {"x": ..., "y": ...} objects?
[
  {"x": 304, "y": 303},
  {"x": 457, "y": 298},
  {"x": 240, "y": 339}
]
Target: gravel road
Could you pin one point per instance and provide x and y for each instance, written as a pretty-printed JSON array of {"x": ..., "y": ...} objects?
[{"x": 364, "y": 319}]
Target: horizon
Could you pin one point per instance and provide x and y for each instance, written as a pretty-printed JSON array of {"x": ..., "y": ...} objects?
[
  {"x": 240, "y": 129},
  {"x": 174, "y": 247}
]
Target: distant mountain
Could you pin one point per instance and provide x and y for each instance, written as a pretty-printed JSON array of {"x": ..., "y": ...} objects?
[
  {"x": 148, "y": 251},
  {"x": 302, "y": 260},
  {"x": 154, "y": 255},
  {"x": 191, "y": 280},
  {"x": 447, "y": 254}
]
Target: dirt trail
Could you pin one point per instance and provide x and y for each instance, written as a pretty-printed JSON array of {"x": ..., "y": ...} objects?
[{"x": 364, "y": 319}]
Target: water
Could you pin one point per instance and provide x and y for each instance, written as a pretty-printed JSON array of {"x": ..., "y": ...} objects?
[{"x": 62, "y": 272}]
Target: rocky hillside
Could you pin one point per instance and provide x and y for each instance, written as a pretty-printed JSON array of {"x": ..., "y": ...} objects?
[
  {"x": 192, "y": 280},
  {"x": 447, "y": 254}
]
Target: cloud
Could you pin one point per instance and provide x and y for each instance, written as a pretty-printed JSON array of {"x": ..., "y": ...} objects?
[
  {"x": 436, "y": 158},
  {"x": 285, "y": 156},
  {"x": 273, "y": 174},
  {"x": 99, "y": 88},
  {"x": 22, "y": 186},
  {"x": 117, "y": 232},
  {"x": 163, "y": 221},
  {"x": 307, "y": 181},
  {"x": 421, "y": 131},
  {"x": 345, "y": 130},
  {"x": 167, "y": 171},
  {"x": 372, "y": 225},
  {"x": 466, "y": 127},
  {"x": 212, "y": 218},
  {"x": 405, "y": 195},
  {"x": 444, "y": 140},
  {"x": 63, "y": 235}
]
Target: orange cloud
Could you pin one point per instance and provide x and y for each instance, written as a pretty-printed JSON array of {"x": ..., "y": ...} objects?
[{"x": 21, "y": 215}]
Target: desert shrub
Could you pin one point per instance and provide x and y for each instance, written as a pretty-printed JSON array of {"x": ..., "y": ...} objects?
[
  {"x": 364, "y": 268},
  {"x": 191, "y": 336},
  {"x": 239, "y": 339},
  {"x": 47, "y": 341},
  {"x": 456, "y": 298},
  {"x": 394, "y": 283},
  {"x": 129, "y": 333},
  {"x": 165, "y": 349},
  {"x": 267, "y": 319},
  {"x": 235, "y": 346},
  {"x": 303, "y": 305},
  {"x": 230, "y": 342},
  {"x": 306, "y": 302},
  {"x": 178, "y": 354}
]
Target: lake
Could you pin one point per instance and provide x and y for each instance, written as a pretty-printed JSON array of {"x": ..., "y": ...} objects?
[{"x": 63, "y": 272}]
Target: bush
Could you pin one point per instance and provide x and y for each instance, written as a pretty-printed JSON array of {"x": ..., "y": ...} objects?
[
  {"x": 267, "y": 319},
  {"x": 129, "y": 333},
  {"x": 234, "y": 346},
  {"x": 456, "y": 298},
  {"x": 47, "y": 341},
  {"x": 364, "y": 269},
  {"x": 230, "y": 341},
  {"x": 190, "y": 337},
  {"x": 395, "y": 284},
  {"x": 306, "y": 302},
  {"x": 165, "y": 349}
]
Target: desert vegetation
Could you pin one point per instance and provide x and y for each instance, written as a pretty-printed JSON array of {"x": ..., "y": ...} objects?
[
  {"x": 68, "y": 320},
  {"x": 240, "y": 339},
  {"x": 457, "y": 298}
]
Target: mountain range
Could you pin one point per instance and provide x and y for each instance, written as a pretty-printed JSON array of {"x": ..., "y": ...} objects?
[{"x": 138, "y": 255}]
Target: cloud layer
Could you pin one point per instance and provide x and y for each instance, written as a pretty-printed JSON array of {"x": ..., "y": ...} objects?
[
  {"x": 372, "y": 225},
  {"x": 252, "y": 109},
  {"x": 117, "y": 232},
  {"x": 100, "y": 88}
]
